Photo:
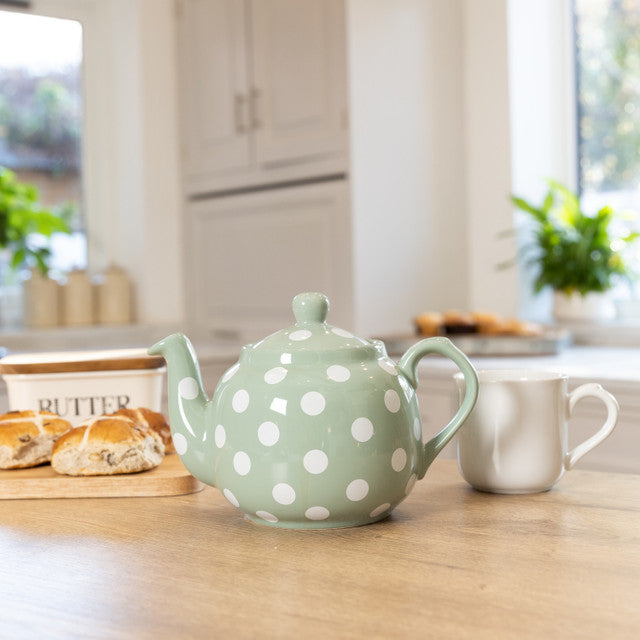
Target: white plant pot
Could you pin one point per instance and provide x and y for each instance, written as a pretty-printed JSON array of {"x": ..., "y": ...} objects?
[{"x": 577, "y": 308}]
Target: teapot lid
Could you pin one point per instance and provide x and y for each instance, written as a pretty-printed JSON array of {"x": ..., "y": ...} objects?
[{"x": 311, "y": 340}]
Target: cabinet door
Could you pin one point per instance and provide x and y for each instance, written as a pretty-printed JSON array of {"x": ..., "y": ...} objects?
[
  {"x": 299, "y": 90},
  {"x": 251, "y": 254},
  {"x": 213, "y": 74}
]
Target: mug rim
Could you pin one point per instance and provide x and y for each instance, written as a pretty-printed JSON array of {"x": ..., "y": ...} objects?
[{"x": 512, "y": 375}]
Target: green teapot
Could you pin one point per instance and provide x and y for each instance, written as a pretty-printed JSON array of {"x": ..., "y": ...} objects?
[{"x": 312, "y": 427}]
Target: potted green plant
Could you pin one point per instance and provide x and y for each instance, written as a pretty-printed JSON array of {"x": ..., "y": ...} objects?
[
  {"x": 26, "y": 228},
  {"x": 577, "y": 255},
  {"x": 25, "y": 225}
]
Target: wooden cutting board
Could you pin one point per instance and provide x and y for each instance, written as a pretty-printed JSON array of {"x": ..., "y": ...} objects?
[{"x": 170, "y": 478}]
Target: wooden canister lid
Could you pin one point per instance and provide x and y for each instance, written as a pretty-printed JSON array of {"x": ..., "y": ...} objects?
[{"x": 71, "y": 361}]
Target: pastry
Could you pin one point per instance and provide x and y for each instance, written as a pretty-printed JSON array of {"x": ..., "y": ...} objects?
[
  {"x": 27, "y": 437},
  {"x": 498, "y": 327},
  {"x": 428, "y": 324},
  {"x": 107, "y": 445},
  {"x": 515, "y": 327},
  {"x": 151, "y": 420},
  {"x": 487, "y": 322},
  {"x": 456, "y": 323}
]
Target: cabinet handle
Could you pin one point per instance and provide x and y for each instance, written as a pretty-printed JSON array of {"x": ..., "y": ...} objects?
[
  {"x": 239, "y": 103},
  {"x": 253, "y": 107}
]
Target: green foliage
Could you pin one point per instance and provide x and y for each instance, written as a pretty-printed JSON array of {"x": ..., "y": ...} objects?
[
  {"x": 574, "y": 252},
  {"x": 25, "y": 225}
]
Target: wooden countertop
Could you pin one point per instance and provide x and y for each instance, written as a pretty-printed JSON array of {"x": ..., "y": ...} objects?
[{"x": 449, "y": 563}]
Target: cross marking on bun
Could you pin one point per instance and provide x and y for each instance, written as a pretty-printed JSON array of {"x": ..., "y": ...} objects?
[
  {"x": 27, "y": 437},
  {"x": 107, "y": 445}
]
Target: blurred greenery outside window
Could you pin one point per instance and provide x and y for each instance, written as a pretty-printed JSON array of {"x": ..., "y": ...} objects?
[
  {"x": 607, "y": 48},
  {"x": 41, "y": 123}
]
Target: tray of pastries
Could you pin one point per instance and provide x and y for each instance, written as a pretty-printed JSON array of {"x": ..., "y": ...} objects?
[
  {"x": 482, "y": 333},
  {"x": 125, "y": 453}
]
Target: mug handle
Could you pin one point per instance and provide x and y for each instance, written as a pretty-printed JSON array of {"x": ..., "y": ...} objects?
[
  {"x": 592, "y": 389},
  {"x": 408, "y": 366}
]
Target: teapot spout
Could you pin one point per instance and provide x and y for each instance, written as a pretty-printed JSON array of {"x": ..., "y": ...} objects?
[{"x": 188, "y": 404}]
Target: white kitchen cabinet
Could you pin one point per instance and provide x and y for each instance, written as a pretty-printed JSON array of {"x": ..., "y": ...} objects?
[
  {"x": 250, "y": 254},
  {"x": 263, "y": 91},
  {"x": 264, "y": 107},
  {"x": 214, "y": 81}
]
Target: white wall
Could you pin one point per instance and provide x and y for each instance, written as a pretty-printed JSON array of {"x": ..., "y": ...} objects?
[
  {"x": 163, "y": 269},
  {"x": 408, "y": 177},
  {"x": 488, "y": 156},
  {"x": 432, "y": 172},
  {"x": 143, "y": 230}
]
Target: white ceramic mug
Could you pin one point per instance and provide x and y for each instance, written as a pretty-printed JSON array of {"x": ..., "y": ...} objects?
[{"x": 516, "y": 438}]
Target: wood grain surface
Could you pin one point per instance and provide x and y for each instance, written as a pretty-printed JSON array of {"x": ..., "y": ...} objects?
[
  {"x": 449, "y": 563},
  {"x": 168, "y": 479}
]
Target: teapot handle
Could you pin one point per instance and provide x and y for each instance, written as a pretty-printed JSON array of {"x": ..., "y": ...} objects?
[{"x": 408, "y": 366}]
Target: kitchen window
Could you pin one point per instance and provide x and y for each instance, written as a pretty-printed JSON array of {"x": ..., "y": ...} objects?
[
  {"x": 41, "y": 119},
  {"x": 607, "y": 53},
  {"x": 41, "y": 129},
  {"x": 569, "y": 122},
  {"x": 130, "y": 151}
]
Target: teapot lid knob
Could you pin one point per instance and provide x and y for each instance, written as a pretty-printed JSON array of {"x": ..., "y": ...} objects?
[{"x": 310, "y": 307}]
